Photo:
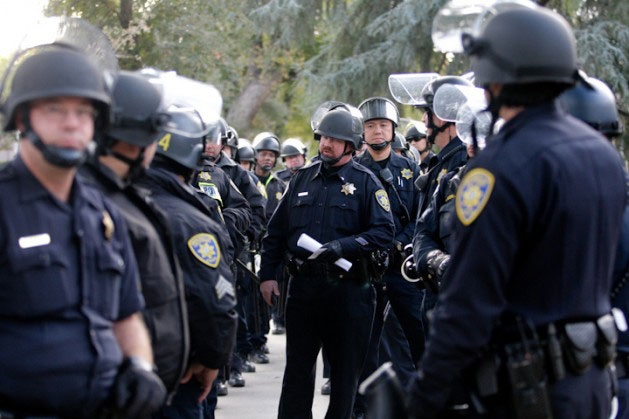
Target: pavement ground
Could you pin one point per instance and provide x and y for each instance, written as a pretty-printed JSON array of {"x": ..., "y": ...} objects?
[{"x": 259, "y": 398}]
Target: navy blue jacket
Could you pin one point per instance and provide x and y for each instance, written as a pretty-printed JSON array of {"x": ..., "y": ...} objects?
[
  {"x": 538, "y": 217},
  {"x": 67, "y": 273},
  {"x": 350, "y": 206}
]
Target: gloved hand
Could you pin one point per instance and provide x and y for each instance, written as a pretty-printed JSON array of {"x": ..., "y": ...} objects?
[
  {"x": 330, "y": 252},
  {"x": 138, "y": 392},
  {"x": 437, "y": 263}
]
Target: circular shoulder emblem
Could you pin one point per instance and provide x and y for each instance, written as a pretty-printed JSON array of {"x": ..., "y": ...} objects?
[
  {"x": 473, "y": 194},
  {"x": 383, "y": 200},
  {"x": 204, "y": 247}
]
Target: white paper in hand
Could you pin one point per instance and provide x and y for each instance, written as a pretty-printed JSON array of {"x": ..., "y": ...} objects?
[{"x": 308, "y": 243}]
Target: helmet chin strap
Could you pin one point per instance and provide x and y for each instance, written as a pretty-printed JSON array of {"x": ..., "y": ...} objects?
[
  {"x": 135, "y": 165},
  {"x": 331, "y": 161},
  {"x": 57, "y": 156},
  {"x": 435, "y": 130},
  {"x": 380, "y": 146}
]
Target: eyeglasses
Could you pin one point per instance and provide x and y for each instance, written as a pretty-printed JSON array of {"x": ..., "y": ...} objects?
[{"x": 59, "y": 113}]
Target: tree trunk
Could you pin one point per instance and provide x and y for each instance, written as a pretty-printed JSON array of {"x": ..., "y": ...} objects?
[
  {"x": 126, "y": 13},
  {"x": 248, "y": 103}
]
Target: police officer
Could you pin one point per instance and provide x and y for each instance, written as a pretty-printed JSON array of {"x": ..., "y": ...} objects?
[
  {"x": 443, "y": 134},
  {"x": 267, "y": 147},
  {"x": 246, "y": 155},
  {"x": 245, "y": 184},
  {"x": 119, "y": 158},
  {"x": 593, "y": 102},
  {"x": 343, "y": 205},
  {"x": 208, "y": 279},
  {"x": 416, "y": 137},
  {"x": 73, "y": 340},
  {"x": 212, "y": 180},
  {"x": 397, "y": 174},
  {"x": 531, "y": 267},
  {"x": 293, "y": 154}
]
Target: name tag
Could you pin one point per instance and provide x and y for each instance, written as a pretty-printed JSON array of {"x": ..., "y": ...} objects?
[
  {"x": 34, "y": 241},
  {"x": 302, "y": 194}
]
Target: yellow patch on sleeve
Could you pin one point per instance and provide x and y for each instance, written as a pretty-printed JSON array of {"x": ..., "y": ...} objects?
[
  {"x": 383, "y": 200},
  {"x": 205, "y": 248},
  {"x": 473, "y": 194}
]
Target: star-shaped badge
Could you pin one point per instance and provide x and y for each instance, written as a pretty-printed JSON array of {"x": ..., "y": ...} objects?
[
  {"x": 407, "y": 173},
  {"x": 348, "y": 189},
  {"x": 205, "y": 176}
]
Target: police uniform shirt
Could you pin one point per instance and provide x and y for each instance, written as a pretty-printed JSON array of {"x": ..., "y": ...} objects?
[
  {"x": 251, "y": 188},
  {"x": 538, "y": 216},
  {"x": 67, "y": 273},
  {"x": 449, "y": 158},
  {"x": 161, "y": 277},
  {"x": 350, "y": 206},
  {"x": 404, "y": 173},
  {"x": 284, "y": 175},
  {"x": 274, "y": 190},
  {"x": 208, "y": 280}
]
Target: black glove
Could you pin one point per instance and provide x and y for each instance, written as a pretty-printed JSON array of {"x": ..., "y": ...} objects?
[
  {"x": 138, "y": 392},
  {"x": 437, "y": 263},
  {"x": 330, "y": 252}
]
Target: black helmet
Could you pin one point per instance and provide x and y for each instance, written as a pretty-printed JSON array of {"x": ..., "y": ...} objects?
[
  {"x": 342, "y": 125},
  {"x": 267, "y": 141},
  {"x": 379, "y": 108},
  {"x": 399, "y": 142},
  {"x": 246, "y": 152},
  {"x": 428, "y": 92},
  {"x": 137, "y": 114},
  {"x": 57, "y": 71},
  {"x": 593, "y": 102},
  {"x": 185, "y": 150},
  {"x": 415, "y": 131},
  {"x": 293, "y": 147},
  {"x": 232, "y": 139},
  {"x": 523, "y": 46}
]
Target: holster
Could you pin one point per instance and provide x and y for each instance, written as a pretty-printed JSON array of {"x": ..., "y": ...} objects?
[{"x": 579, "y": 346}]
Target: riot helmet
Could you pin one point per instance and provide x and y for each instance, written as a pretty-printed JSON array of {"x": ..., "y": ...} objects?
[
  {"x": 246, "y": 152},
  {"x": 428, "y": 92},
  {"x": 523, "y": 46},
  {"x": 399, "y": 142},
  {"x": 186, "y": 151},
  {"x": 267, "y": 141},
  {"x": 137, "y": 113},
  {"x": 342, "y": 125},
  {"x": 293, "y": 147},
  {"x": 56, "y": 71},
  {"x": 379, "y": 108},
  {"x": 593, "y": 102},
  {"x": 415, "y": 132},
  {"x": 232, "y": 139}
]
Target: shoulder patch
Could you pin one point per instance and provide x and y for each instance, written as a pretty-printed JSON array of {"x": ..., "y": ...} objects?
[
  {"x": 204, "y": 247},
  {"x": 473, "y": 194},
  {"x": 383, "y": 200}
]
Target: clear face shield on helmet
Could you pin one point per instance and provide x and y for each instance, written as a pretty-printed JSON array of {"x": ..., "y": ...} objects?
[
  {"x": 327, "y": 106},
  {"x": 466, "y": 107},
  {"x": 59, "y": 34},
  {"x": 181, "y": 94},
  {"x": 469, "y": 17},
  {"x": 407, "y": 88}
]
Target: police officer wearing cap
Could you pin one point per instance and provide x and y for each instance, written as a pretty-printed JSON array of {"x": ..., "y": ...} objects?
[
  {"x": 204, "y": 256},
  {"x": 118, "y": 161},
  {"x": 524, "y": 312},
  {"x": 73, "y": 340},
  {"x": 341, "y": 204},
  {"x": 293, "y": 154},
  {"x": 398, "y": 175}
]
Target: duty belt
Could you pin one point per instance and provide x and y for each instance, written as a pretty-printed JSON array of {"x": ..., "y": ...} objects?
[{"x": 317, "y": 270}]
